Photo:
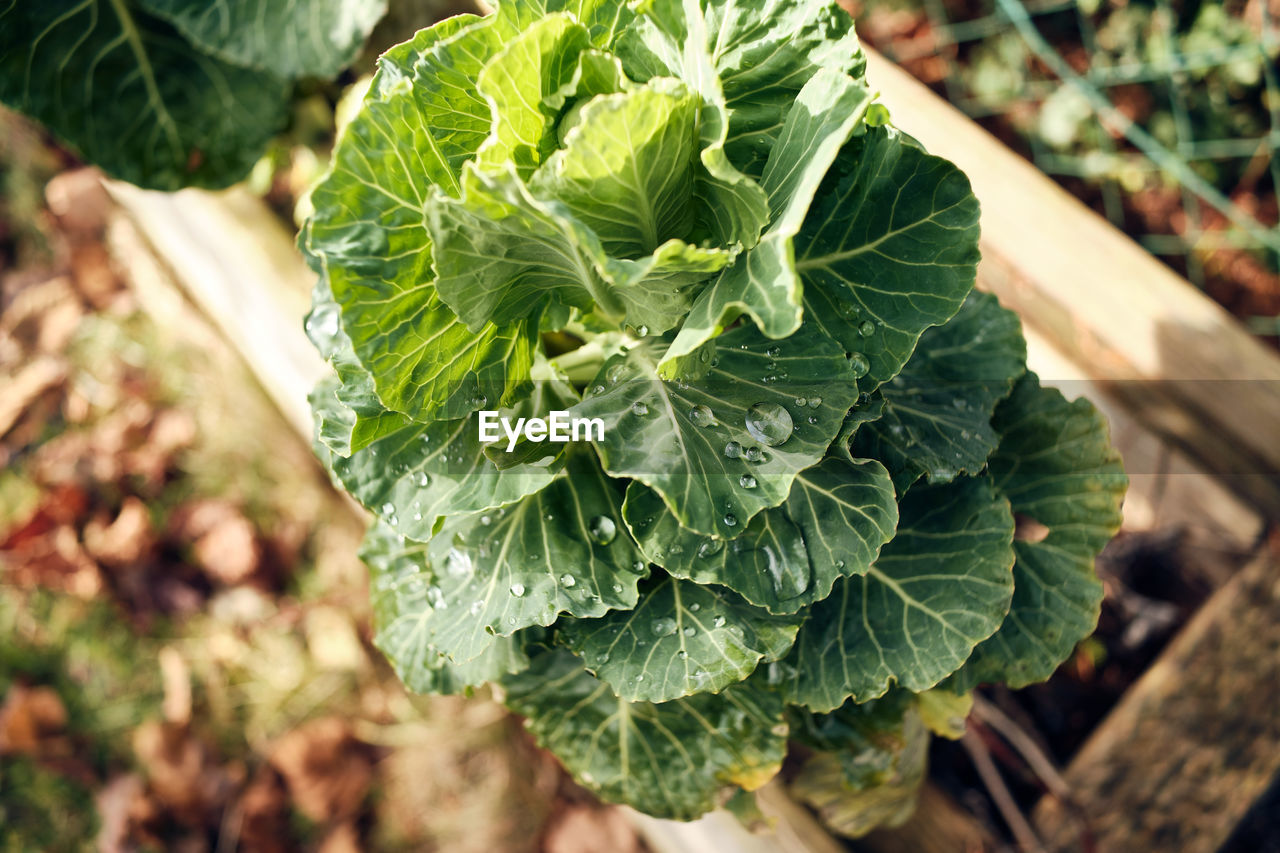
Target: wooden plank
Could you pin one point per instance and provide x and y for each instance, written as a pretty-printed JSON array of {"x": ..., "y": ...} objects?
[
  {"x": 1193, "y": 742},
  {"x": 238, "y": 264},
  {"x": 1176, "y": 359}
]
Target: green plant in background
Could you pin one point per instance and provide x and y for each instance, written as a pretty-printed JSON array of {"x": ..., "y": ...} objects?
[
  {"x": 172, "y": 93},
  {"x": 690, "y": 221}
]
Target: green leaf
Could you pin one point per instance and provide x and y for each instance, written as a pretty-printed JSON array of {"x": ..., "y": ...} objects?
[
  {"x": 941, "y": 586},
  {"x": 671, "y": 39},
  {"x": 602, "y": 18},
  {"x": 503, "y": 254},
  {"x": 1056, "y": 466},
  {"x": 561, "y": 550},
  {"x": 937, "y": 417},
  {"x": 129, "y": 94},
  {"x": 668, "y": 760},
  {"x": 682, "y": 638},
  {"x": 526, "y": 85},
  {"x": 348, "y": 414},
  {"x": 310, "y": 38},
  {"x": 420, "y": 472},
  {"x": 837, "y": 515},
  {"x": 759, "y": 55},
  {"x": 627, "y": 168},
  {"x": 866, "y": 739},
  {"x": 673, "y": 435},
  {"x": 853, "y": 808},
  {"x": 408, "y": 142},
  {"x": 399, "y": 586},
  {"x": 763, "y": 282},
  {"x": 889, "y": 249}
]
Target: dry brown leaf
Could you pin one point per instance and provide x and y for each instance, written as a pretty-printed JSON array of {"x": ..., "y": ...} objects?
[
  {"x": 116, "y": 804},
  {"x": 95, "y": 275},
  {"x": 126, "y": 541},
  {"x": 79, "y": 200},
  {"x": 224, "y": 543},
  {"x": 53, "y": 560},
  {"x": 175, "y": 677},
  {"x": 182, "y": 773},
  {"x": 39, "y": 377},
  {"x": 33, "y": 722},
  {"x": 263, "y": 814},
  {"x": 327, "y": 770}
]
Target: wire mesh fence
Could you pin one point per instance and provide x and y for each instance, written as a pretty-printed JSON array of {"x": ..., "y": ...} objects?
[{"x": 1164, "y": 115}]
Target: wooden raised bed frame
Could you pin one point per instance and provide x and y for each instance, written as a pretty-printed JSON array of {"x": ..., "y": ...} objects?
[{"x": 1099, "y": 313}]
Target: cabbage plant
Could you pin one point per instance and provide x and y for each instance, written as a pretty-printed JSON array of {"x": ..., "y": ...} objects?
[{"x": 689, "y": 225}]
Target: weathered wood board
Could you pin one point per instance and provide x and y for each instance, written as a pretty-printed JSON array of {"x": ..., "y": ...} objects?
[{"x": 1195, "y": 741}]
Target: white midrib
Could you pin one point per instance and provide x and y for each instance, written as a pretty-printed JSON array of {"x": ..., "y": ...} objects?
[{"x": 134, "y": 38}]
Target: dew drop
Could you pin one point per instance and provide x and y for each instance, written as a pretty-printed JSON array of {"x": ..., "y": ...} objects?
[
  {"x": 702, "y": 416},
  {"x": 769, "y": 423},
  {"x": 517, "y": 589},
  {"x": 682, "y": 654},
  {"x": 718, "y": 622},
  {"x": 476, "y": 607},
  {"x": 839, "y": 564},
  {"x": 639, "y": 408},
  {"x": 457, "y": 563},
  {"x": 733, "y": 450},
  {"x": 753, "y": 454},
  {"x": 747, "y": 481},
  {"x": 617, "y": 587},
  {"x": 802, "y": 401},
  {"x": 860, "y": 365},
  {"x": 642, "y": 331},
  {"x": 567, "y": 580},
  {"x": 866, "y": 328},
  {"x": 710, "y": 547},
  {"x": 615, "y": 372},
  {"x": 486, "y": 520},
  {"x": 637, "y": 567},
  {"x": 689, "y": 632},
  {"x": 813, "y": 419},
  {"x": 598, "y": 389},
  {"x": 815, "y": 402},
  {"x": 424, "y": 480},
  {"x": 602, "y": 529},
  {"x": 695, "y": 607},
  {"x": 388, "y": 509},
  {"x": 479, "y": 401},
  {"x": 773, "y": 352},
  {"x": 730, "y": 520},
  {"x": 664, "y": 627}
]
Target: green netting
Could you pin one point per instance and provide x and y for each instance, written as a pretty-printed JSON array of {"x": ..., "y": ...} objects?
[{"x": 1164, "y": 115}]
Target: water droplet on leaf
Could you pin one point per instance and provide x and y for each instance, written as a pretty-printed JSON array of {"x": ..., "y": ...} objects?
[
  {"x": 664, "y": 627},
  {"x": 860, "y": 365},
  {"x": 517, "y": 589},
  {"x": 602, "y": 529},
  {"x": 769, "y": 423},
  {"x": 747, "y": 481},
  {"x": 733, "y": 450},
  {"x": 702, "y": 416},
  {"x": 640, "y": 408}
]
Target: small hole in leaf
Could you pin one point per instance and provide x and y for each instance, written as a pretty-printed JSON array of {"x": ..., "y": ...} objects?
[{"x": 1027, "y": 529}]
